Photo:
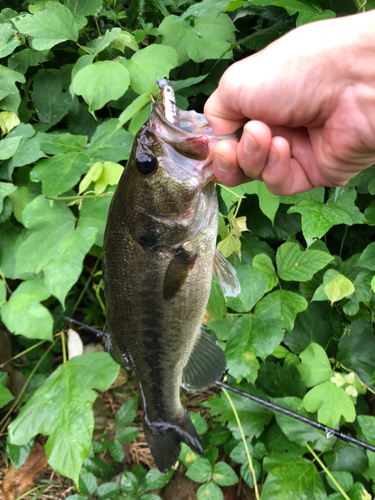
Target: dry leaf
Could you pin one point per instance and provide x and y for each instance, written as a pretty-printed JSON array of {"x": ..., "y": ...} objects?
[{"x": 18, "y": 481}]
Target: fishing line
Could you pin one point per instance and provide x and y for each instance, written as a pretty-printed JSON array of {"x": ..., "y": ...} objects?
[{"x": 329, "y": 432}]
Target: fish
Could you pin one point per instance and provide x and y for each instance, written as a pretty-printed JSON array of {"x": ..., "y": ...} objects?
[{"x": 159, "y": 255}]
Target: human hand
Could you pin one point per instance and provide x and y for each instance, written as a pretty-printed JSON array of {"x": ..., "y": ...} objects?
[{"x": 310, "y": 97}]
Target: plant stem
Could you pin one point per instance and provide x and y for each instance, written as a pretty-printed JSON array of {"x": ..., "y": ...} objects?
[
  {"x": 63, "y": 345},
  {"x": 244, "y": 442},
  {"x": 86, "y": 284},
  {"x": 22, "y": 353},
  {"x": 5, "y": 281},
  {"x": 26, "y": 384},
  {"x": 343, "y": 240},
  {"x": 322, "y": 465}
]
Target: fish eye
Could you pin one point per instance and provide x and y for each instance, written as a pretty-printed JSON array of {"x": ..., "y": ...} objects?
[{"x": 146, "y": 164}]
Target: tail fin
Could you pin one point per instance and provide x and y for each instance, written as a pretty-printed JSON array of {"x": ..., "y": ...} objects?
[{"x": 164, "y": 440}]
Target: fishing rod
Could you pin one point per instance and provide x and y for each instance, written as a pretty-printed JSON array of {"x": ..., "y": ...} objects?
[{"x": 329, "y": 432}]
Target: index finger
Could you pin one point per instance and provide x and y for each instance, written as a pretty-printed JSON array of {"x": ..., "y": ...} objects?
[{"x": 222, "y": 114}]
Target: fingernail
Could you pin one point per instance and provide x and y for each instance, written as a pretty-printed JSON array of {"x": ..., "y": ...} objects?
[
  {"x": 250, "y": 146},
  {"x": 222, "y": 164},
  {"x": 273, "y": 157}
]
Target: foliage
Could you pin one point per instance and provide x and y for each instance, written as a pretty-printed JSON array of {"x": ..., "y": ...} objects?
[{"x": 75, "y": 84}]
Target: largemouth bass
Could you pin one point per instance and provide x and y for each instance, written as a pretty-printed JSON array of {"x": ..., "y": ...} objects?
[{"x": 159, "y": 254}]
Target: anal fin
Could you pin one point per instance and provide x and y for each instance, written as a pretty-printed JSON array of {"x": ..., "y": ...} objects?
[
  {"x": 226, "y": 274},
  {"x": 206, "y": 364}
]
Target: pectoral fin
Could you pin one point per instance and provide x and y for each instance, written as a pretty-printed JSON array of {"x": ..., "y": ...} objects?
[
  {"x": 206, "y": 364},
  {"x": 226, "y": 274},
  {"x": 177, "y": 272}
]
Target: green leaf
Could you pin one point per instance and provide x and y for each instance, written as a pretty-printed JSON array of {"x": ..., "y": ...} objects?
[
  {"x": 199, "y": 422},
  {"x": 63, "y": 269},
  {"x": 8, "y": 90},
  {"x": 344, "y": 479},
  {"x": 18, "y": 454},
  {"x": 8, "y": 40},
  {"x": 135, "y": 106},
  {"x": 253, "y": 417},
  {"x": 107, "y": 490},
  {"x": 49, "y": 100},
  {"x": 263, "y": 262},
  {"x": 101, "y": 82},
  {"x": 253, "y": 335},
  {"x": 155, "y": 479},
  {"x": 103, "y": 174},
  {"x": 214, "y": 37},
  {"x": 280, "y": 381},
  {"x": 367, "y": 259},
  {"x": 206, "y": 7},
  {"x": 68, "y": 394},
  {"x": 23, "y": 314},
  {"x": 293, "y": 264},
  {"x": 367, "y": 424},
  {"x": 22, "y": 60},
  {"x": 99, "y": 44},
  {"x": 338, "y": 288},
  {"x": 315, "y": 324},
  {"x": 224, "y": 475},
  {"x": 239, "y": 455},
  {"x": 277, "y": 442},
  {"x": 57, "y": 143},
  {"x": 209, "y": 490},
  {"x": 331, "y": 402},
  {"x": 146, "y": 64},
  {"x": 87, "y": 482},
  {"x": 3, "y": 293},
  {"x": 61, "y": 172},
  {"x": 318, "y": 217},
  {"x": 83, "y": 7},
  {"x": 5, "y": 190},
  {"x": 288, "y": 304},
  {"x": 254, "y": 284},
  {"x": 5, "y": 394},
  {"x": 8, "y": 146},
  {"x": 299, "y": 432},
  {"x": 290, "y": 473},
  {"x": 356, "y": 350},
  {"x": 127, "y": 435},
  {"x": 53, "y": 25},
  {"x": 127, "y": 412},
  {"x": 8, "y": 120},
  {"x": 229, "y": 245},
  {"x": 315, "y": 366},
  {"x": 177, "y": 34},
  {"x": 129, "y": 483},
  {"x": 94, "y": 213},
  {"x": 268, "y": 202},
  {"x": 110, "y": 142},
  {"x": 200, "y": 471}
]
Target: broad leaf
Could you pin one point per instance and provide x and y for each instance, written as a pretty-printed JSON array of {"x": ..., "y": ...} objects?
[
  {"x": 83, "y": 7},
  {"x": 356, "y": 350},
  {"x": 293, "y": 264},
  {"x": 49, "y": 100},
  {"x": 127, "y": 412},
  {"x": 5, "y": 394},
  {"x": 263, "y": 262},
  {"x": 268, "y": 202},
  {"x": 177, "y": 34},
  {"x": 253, "y": 335},
  {"x": 200, "y": 471},
  {"x": 288, "y": 304},
  {"x": 367, "y": 259},
  {"x": 23, "y": 314},
  {"x": 331, "y": 402},
  {"x": 94, "y": 213},
  {"x": 280, "y": 381},
  {"x": 62, "y": 409},
  {"x": 315, "y": 366},
  {"x": 291, "y": 474},
  {"x": 211, "y": 491},
  {"x": 253, "y": 416},
  {"x": 101, "y": 82},
  {"x": 224, "y": 475},
  {"x": 5, "y": 190},
  {"x": 149, "y": 62},
  {"x": 8, "y": 40},
  {"x": 338, "y": 288},
  {"x": 53, "y": 25},
  {"x": 254, "y": 284}
]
